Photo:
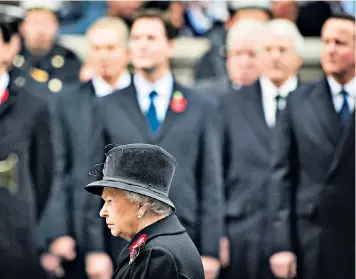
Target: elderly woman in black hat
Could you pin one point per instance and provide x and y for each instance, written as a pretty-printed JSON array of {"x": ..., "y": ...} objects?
[{"x": 135, "y": 187}]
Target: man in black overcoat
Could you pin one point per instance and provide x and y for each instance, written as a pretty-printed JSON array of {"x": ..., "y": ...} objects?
[
  {"x": 72, "y": 226},
  {"x": 26, "y": 168},
  {"x": 312, "y": 192},
  {"x": 250, "y": 115}
]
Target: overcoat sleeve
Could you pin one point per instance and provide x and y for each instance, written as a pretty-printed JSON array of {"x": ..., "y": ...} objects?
[
  {"x": 55, "y": 218},
  {"x": 209, "y": 175},
  {"x": 41, "y": 158},
  {"x": 282, "y": 183}
]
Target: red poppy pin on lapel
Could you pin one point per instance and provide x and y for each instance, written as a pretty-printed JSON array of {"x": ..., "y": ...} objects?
[
  {"x": 4, "y": 97},
  {"x": 178, "y": 102},
  {"x": 135, "y": 248}
]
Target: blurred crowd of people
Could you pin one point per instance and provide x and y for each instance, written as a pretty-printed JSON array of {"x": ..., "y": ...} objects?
[{"x": 265, "y": 182}]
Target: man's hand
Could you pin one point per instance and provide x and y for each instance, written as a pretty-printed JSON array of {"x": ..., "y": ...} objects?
[
  {"x": 63, "y": 247},
  {"x": 211, "y": 267},
  {"x": 284, "y": 265},
  {"x": 98, "y": 266},
  {"x": 52, "y": 265},
  {"x": 224, "y": 252}
]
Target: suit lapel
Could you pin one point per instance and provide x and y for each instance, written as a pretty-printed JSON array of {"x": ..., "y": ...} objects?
[
  {"x": 254, "y": 113},
  {"x": 344, "y": 145},
  {"x": 130, "y": 104},
  {"x": 171, "y": 116},
  {"x": 323, "y": 114}
]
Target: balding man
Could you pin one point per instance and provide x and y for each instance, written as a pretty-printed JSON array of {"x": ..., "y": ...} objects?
[
  {"x": 312, "y": 192},
  {"x": 212, "y": 63},
  {"x": 243, "y": 47},
  {"x": 249, "y": 116},
  {"x": 78, "y": 139}
]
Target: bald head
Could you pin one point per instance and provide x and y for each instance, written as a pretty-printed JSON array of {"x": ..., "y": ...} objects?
[{"x": 243, "y": 47}]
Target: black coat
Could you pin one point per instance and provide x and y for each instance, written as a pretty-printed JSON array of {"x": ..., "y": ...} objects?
[
  {"x": 192, "y": 137},
  {"x": 168, "y": 253},
  {"x": 79, "y": 145},
  {"x": 24, "y": 131},
  {"x": 312, "y": 194},
  {"x": 78, "y": 138},
  {"x": 215, "y": 87}
]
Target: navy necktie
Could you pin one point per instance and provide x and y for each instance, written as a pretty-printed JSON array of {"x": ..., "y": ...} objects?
[
  {"x": 345, "y": 109},
  {"x": 280, "y": 103},
  {"x": 152, "y": 114}
]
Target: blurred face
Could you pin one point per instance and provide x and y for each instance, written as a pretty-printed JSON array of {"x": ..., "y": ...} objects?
[
  {"x": 251, "y": 14},
  {"x": 338, "y": 48},
  {"x": 285, "y": 9},
  {"x": 149, "y": 46},
  {"x": 8, "y": 51},
  {"x": 39, "y": 30},
  {"x": 280, "y": 59},
  {"x": 241, "y": 61},
  {"x": 108, "y": 55},
  {"x": 120, "y": 214}
]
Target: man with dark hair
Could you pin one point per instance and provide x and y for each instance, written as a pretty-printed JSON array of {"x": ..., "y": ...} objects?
[
  {"x": 156, "y": 109},
  {"x": 312, "y": 192},
  {"x": 25, "y": 168}
]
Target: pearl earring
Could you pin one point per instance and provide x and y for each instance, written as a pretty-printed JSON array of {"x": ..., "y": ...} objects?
[{"x": 139, "y": 216}]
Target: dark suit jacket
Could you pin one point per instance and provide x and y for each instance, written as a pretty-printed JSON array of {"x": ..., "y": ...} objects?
[
  {"x": 247, "y": 153},
  {"x": 215, "y": 87},
  {"x": 313, "y": 185},
  {"x": 192, "y": 138},
  {"x": 78, "y": 142},
  {"x": 168, "y": 253},
  {"x": 25, "y": 130}
]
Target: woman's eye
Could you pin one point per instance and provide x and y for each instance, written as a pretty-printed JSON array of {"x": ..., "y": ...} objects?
[{"x": 109, "y": 202}]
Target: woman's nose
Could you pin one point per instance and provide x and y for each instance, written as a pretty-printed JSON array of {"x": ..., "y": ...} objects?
[{"x": 103, "y": 211}]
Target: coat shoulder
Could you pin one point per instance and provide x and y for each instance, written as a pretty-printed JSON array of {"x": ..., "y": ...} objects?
[
  {"x": 302, "y": 93},
  {"x": 198, "y": 98}
]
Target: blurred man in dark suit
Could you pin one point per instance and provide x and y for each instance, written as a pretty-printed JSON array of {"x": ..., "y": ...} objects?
[
  {"x": 80, "y": 242},
  {"x": 26, "y": 166},
  {"x": 249, "y": 117},
  {"x": 312, "y": 190}
]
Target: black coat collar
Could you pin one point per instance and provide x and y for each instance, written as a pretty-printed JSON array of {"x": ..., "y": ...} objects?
[{"x": 167, "y": 226}]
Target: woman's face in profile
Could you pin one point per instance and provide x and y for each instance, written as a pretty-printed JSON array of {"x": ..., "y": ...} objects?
[{"x": 120, "y": 214}]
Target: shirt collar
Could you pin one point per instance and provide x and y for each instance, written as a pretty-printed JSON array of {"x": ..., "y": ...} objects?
[
  {"x": 288, "y": 86},
  {"x": 4, "y": 82},
  {"x": 336, "y": 87},
  {"x": 102, "y": 88},
  {"x": 163, "y": 87}
]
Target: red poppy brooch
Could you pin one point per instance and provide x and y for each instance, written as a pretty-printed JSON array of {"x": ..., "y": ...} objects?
[
  {"x": 178, "y": 102},
  {"x": 4, "y": 97},
  {"x": 136, "y": 247}
]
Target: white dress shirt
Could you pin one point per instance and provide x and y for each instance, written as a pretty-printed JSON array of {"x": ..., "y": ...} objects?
[
  {"x": 4, "y": 83},
  {"x": 337, "y": 98},
  {"x": 269, "y": 93},
  {"x": 164, "y": 89},
  {"x": 102, "y": 88}
]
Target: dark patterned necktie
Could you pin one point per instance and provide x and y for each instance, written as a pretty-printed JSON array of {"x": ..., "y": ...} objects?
[
  {"x": 280, "y": 103},
  {"x": 344, "y": 113},
  {"x": 152, "y": 114}
]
